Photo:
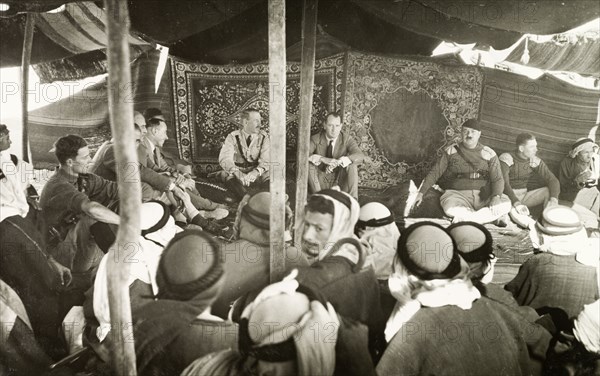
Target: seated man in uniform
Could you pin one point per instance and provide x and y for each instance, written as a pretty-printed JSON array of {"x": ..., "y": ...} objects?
[
  {"x": 518, "y": 168},
  {"x": 578, "y": 175},
  {"x": 473, "y": 180},
  {"x": 245, "y": 154},
  {"x": 72, "y": 201},
  {"x": 334, "y": 156}
]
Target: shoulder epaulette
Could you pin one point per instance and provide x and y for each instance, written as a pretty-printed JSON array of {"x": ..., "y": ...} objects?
[
  {"x": 487, "y": 153},
  {"x": 451, "y": 150},
  {"x": 507, "y": 159}
]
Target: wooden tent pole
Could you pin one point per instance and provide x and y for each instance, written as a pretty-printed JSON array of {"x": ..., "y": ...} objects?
[
  {"x": 25, "y": 62},
  {"x": 277, "y": 111},
  {"x": 130, "y": 195},
  {"x": 307, "y": 80}
]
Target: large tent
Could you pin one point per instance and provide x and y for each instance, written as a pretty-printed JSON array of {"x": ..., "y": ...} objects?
[
  {"x": 70, "y": 43},
  {"x": 203, "y": 36}
]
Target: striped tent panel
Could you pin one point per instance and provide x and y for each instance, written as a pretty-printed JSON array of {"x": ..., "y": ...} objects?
[
  {"x": 582, "y": 57},
  {"x": 80, "y": 28},
  {"x": 85, "y": 113},
  {"x": 143, "y": 73},
  {"x": 554, "y": 111}
]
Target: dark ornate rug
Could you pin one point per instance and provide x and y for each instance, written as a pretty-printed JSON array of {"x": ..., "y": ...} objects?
[{"x": 209, "y": 99}]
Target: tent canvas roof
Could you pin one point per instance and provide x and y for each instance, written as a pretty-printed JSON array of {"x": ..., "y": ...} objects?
[{"x": 235, "y": 31}]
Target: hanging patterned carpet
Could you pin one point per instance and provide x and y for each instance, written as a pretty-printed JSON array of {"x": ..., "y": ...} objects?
[
  {"x": 401, "y": 111},
  {"x": 209, "y": 100},
  {"x": 404, "y": 111}
]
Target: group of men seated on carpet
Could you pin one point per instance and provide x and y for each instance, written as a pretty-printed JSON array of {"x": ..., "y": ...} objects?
[
  {"x": 358, "y": 297},
  {"x": 484, "y": 188},
  {"x": 479, "y": 185}
]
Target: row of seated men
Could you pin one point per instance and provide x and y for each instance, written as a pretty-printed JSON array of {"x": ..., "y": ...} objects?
[
  {"x": 484, "y": 188},
  {"x": 360, "y": 298},
  {"x": 479, "y": 185}
]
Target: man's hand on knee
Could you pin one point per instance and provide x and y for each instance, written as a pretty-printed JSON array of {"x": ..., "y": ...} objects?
[{"x": 495, "y": 204}]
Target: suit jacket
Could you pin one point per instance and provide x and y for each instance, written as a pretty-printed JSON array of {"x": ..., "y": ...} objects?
[
  {"x": 107, "y": 168},
  {"x": 158, "y": 164},
  {"x": 345, "y": 146}
]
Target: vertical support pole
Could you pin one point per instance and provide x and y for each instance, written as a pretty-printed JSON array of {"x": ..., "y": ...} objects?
[
  {"x": 121, "y": 120},
  {"x": 307, "y": 80},
  {"x": 277, "y": 111},
  {"x": 25, "y": 62}
]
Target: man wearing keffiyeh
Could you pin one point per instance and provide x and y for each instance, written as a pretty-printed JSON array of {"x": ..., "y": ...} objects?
[
  {"x": 337, "y": 261},
  {"x": 579, "y": 173},
  {"x": 289, "y": 329},
  {"x": 439, "y": 323}
]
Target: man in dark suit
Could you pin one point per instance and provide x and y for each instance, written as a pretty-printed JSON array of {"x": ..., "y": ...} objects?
[{"x": 334, "y": 156}]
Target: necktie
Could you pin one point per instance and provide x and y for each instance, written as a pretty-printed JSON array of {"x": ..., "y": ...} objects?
[
  {"x": 248, "y": 140},
  {"x": 156, "y": 156},
  {"x": 329, "y": 152}
]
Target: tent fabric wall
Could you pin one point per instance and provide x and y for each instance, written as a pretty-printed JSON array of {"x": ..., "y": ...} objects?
[
  {"x": 581, "y": 56},
  {"x": 146, "y": 95},
  {"x": 552, "y": 110},
  {"x": 85, "y": 113}
]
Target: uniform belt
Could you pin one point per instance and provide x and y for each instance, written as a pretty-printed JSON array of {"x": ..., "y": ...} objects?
[
  {"x": 472, "y": 175},
  {"x": 244, "y": 164}
]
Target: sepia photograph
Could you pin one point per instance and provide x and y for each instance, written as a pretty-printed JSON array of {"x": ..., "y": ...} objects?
[{"x": 299, "y": 187}]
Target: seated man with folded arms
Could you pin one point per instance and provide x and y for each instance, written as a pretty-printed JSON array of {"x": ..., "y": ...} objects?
[
  {"x": 245, "y": 155},
  {"x": 334, "y": 156},
  {"x": 474, "y": 182},
  {"x": 72, "y": 201},
  {"x": 578, "y": 176},
  {"x": 518, "y": 169}
]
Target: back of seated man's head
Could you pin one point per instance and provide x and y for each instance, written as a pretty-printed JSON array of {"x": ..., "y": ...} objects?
[
  {"x": 71, "y": 147},
  {"x": 474, "y": 243}
]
